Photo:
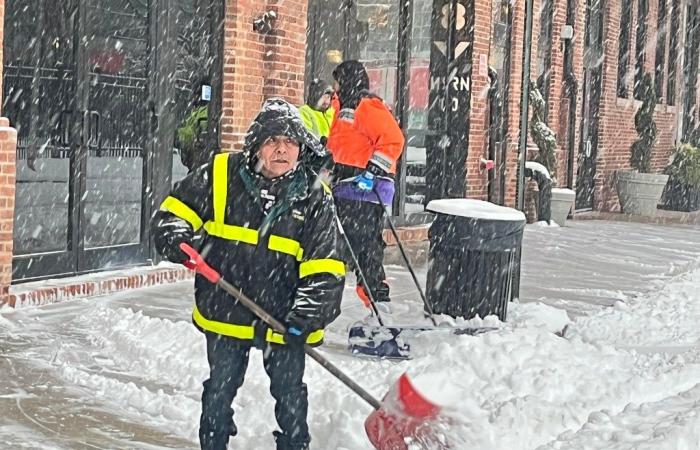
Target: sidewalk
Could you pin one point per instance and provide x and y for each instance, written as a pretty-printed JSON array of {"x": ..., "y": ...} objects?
[
  {"x": 592, "y": 263},
  {"x": 128, "y": 366},
  {"x": 662, "y": 217}
]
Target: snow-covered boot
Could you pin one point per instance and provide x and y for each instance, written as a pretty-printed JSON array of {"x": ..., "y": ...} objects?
[{"x": 284, "y": 443}]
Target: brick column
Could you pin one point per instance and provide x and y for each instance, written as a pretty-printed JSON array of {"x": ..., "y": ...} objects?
[
  {"x": 257, "y": 66},
  {"x": 8, "y": 146},
  {"x": 477, "y": 182}
]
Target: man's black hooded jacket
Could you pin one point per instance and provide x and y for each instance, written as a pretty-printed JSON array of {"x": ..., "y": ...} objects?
[{"x": 287, "y": 258}]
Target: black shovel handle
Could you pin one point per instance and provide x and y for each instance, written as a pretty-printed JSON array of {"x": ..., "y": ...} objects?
[
  {"x": 360, "y": 272},
  {"x": 405, "y": 258},
  {"x": 199, "y": 265}
]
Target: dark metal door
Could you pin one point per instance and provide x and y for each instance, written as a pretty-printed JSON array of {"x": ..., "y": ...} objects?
[
  {"x": 447, "y": 140},
  {"x": 114, "y": 118},
  {"x": 593, "y": 63},
  {"x": 39, "y": 100},
  {"x": 76, "y": 89},
  {"x": 94, "y": 88}
]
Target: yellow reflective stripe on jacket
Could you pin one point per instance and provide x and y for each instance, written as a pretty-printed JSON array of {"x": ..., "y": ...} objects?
[
  {"x": 220, "y": 186},
  {"x": 246, "y": 332},
  {"x": 285, "y": 245},
  {"x": 232, "y": 232},
  {"x": 315, "y": 266},
  {"x": 276, "y": 338},
  {"x": 326, "y": 187},
  {"x": 184, "y": 212},
  {"x": 319, "y": 123},
  {"x": 225, "y": 329}
]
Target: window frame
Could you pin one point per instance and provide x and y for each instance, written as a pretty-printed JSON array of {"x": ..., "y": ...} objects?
[
  {"x": 624, "y": 48},
  {"x": 673, "y": 52},
  {"x": 660, "y": 61},
  {"x": 640, "y": 46}
]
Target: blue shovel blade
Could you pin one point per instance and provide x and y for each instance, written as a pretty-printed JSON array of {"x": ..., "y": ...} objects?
[
  {"x": 392, "y": 341},
  {"x": 378, "y": 341}
]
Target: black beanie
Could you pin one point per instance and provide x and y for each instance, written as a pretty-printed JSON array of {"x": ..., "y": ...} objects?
[
  {"x": 278, "y": 117},
  {"x": 352, "y": 79},
  {"x": 317, "y": 89}
]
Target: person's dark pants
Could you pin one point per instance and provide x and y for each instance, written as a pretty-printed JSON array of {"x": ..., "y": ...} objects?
[
  {"x": 228, "y": 360},
  {"x": 363, "y": 223}
]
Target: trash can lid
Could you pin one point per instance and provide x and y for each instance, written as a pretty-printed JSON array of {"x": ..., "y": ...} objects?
[{"x": 477, "y": 209}]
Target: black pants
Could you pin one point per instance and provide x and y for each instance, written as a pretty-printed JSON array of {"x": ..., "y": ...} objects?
[
  {"x": 363, "y": 223},
  {"x": 228, "y": 360}
]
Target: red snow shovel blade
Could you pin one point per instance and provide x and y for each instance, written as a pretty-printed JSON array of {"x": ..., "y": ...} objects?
[{"x": 404, "y": 414}]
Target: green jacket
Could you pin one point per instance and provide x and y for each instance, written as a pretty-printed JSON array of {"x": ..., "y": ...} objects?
[
  {"x": 317, "y": 122},
  {"x": 189, "y": 136}
]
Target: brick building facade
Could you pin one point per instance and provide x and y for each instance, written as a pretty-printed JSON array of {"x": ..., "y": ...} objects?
[{"x": 399, "y": 42}]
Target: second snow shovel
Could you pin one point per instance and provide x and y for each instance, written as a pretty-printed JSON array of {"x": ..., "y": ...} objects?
[
  {"x": 393, "y": 341},
  {"x": 403, "y": 413}
]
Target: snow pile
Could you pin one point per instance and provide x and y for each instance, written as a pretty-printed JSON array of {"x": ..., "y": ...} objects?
[
  {"x": 625, "y": 377},
  {"x": 665, "y": 320},
  {"x": 537, "y": 167},
  {"x": 543, "y": 223},
  {"x": 477, "y": 209},
  {"x": 672, "y": 424},
  {"x": 4, "y": 323}
]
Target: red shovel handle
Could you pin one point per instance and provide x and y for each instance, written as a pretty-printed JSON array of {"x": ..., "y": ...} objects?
[{"x": 198, "y": 264}]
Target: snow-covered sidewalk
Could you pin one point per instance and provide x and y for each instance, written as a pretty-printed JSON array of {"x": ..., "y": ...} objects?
[{"x": 125, "y": 371}]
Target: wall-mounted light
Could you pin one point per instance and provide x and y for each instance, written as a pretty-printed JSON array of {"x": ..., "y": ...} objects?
[{"x": 263, "y": 24}]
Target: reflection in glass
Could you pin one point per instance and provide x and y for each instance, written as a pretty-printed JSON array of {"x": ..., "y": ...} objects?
[
  {"x": 37, "y": 93},
  {"x": 117, "y": 52}
]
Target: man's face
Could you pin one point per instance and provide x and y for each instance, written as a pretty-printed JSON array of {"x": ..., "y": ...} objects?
[
  {"x": 324, "y": 102},
  {"x": 278, "y": 155}
]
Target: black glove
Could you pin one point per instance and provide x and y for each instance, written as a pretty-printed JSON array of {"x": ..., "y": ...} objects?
[
  {"x": 170, "y": 233},
  {"x": 375, "y": 170},
  {"x": 296, "y": 335}
]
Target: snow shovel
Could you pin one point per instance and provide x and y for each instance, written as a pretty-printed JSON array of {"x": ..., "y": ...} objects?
[
  {"x": 403, "y": 413},
  {"x": 393, "y": 341},
  {"x": 379, "y": 340}
]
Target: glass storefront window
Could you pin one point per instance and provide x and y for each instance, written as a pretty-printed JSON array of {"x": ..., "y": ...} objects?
[
  {"x": 38, "y": 61},
  {"x": 371, "y": 31},
  {"x": 417, "y": 107},
  {"x": 118, "y": 61},
  {"x": 368, "y": 31}
]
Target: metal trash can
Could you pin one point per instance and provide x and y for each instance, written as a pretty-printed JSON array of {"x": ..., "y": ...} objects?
[{"x": 474, "y": 246}]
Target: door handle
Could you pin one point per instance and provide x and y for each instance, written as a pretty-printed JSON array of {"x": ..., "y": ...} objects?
[
  {"x": 154, "y": 116},
  {"x": 65, "y": 128},
  {"x": 94, "y": 133}
]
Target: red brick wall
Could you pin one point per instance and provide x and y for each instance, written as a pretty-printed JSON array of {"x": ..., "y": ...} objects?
[
  {"x": 258, "y": 66},
  {"x": 477, "y": 182},
  {"x": 8, "y": 146},
  {"x": 2, "y": 34},
  {"x": 617, "y": 132},
  {"x": 513, "y": 106},
  {"x": 616, "y": 128}
]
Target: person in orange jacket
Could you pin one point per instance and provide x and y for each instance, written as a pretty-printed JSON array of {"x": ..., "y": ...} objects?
[{"x": 366, "y": 143}]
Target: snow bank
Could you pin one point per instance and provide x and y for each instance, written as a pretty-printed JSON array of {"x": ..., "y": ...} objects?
[
  {"x": 626, "y": 377},
  {"x": 666, "y": 320},
  {"x": 537, "y": 167},
  {"x": 670, "y": 424},
  {"x": 5, "y": 323},
  {"x": 477, "y": 209}
]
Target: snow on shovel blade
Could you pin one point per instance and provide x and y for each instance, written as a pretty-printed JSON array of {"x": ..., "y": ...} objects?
[
  {"x": 405, "y": 415},
  {"x": 394, "y": 341},
  {"x": 380, "y": 341}
]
